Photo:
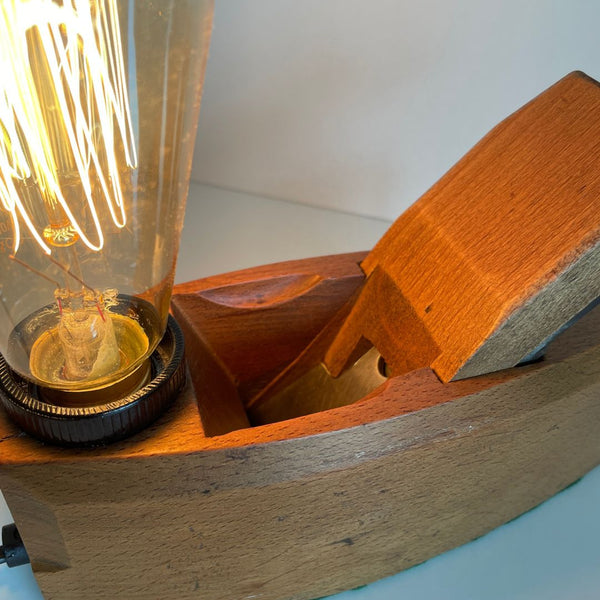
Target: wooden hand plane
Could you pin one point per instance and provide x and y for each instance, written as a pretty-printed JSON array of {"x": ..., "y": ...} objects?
[{"x": 347, "y": 417}]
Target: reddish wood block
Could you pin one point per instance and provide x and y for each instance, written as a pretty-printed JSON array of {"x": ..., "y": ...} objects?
[{"x": 502, "y": 251}]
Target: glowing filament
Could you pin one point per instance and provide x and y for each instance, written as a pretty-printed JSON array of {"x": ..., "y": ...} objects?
[{"x": 64, "y": 114}]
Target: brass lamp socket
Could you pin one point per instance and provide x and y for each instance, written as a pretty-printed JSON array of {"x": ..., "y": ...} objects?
[{"x": 108, "y": 420}]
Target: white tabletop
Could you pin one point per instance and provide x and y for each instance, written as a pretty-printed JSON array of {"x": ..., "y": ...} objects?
[{"x": 550, "y": 553}]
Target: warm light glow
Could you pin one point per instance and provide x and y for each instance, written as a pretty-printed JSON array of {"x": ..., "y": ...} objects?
[
  {"x": 64, "y": 114},
  {"x": 98, "y": 106},
  {"x": 65, "y": 126}
]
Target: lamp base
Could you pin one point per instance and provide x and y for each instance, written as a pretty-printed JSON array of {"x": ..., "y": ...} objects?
[
  {"x": 309, "y": 506},
  {"x": 105, "y": 419}
]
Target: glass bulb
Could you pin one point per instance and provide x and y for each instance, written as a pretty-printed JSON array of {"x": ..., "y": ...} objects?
[{"x": 98, "y": 110}]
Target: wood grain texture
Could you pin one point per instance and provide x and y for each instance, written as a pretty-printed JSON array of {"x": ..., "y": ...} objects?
[
  {"x": 284, "y": 305},
  {"x": 384, "y": 317},
  {"x": 309, "y": 506},
  {"x": 203, "y": 505},
  {"x": 504, "y": 249}
]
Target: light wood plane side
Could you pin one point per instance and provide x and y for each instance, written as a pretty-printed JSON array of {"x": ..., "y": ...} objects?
[{"x": 345, "y": 496}]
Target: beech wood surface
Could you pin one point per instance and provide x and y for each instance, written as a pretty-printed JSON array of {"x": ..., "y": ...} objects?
[
  {"x": 309, "y": 506},
  {"x": 499, "y": 254},
  {"x": 285, "y": 306},
  {"x": 204, "y": 505}
]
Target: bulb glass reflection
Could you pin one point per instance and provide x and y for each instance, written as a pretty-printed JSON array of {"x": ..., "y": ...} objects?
[{"x": 99, "y": 102}]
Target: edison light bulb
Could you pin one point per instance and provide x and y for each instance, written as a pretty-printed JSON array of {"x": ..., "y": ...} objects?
[{"x": 99, "y": 102}]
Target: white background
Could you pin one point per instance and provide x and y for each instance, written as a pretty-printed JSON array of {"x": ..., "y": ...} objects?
[{"x": 361, "y": 105}]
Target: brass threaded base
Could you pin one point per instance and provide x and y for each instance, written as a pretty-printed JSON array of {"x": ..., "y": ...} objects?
[
  {"x": 125, "y": 387},
  {"x": 106, "y": 416}
]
